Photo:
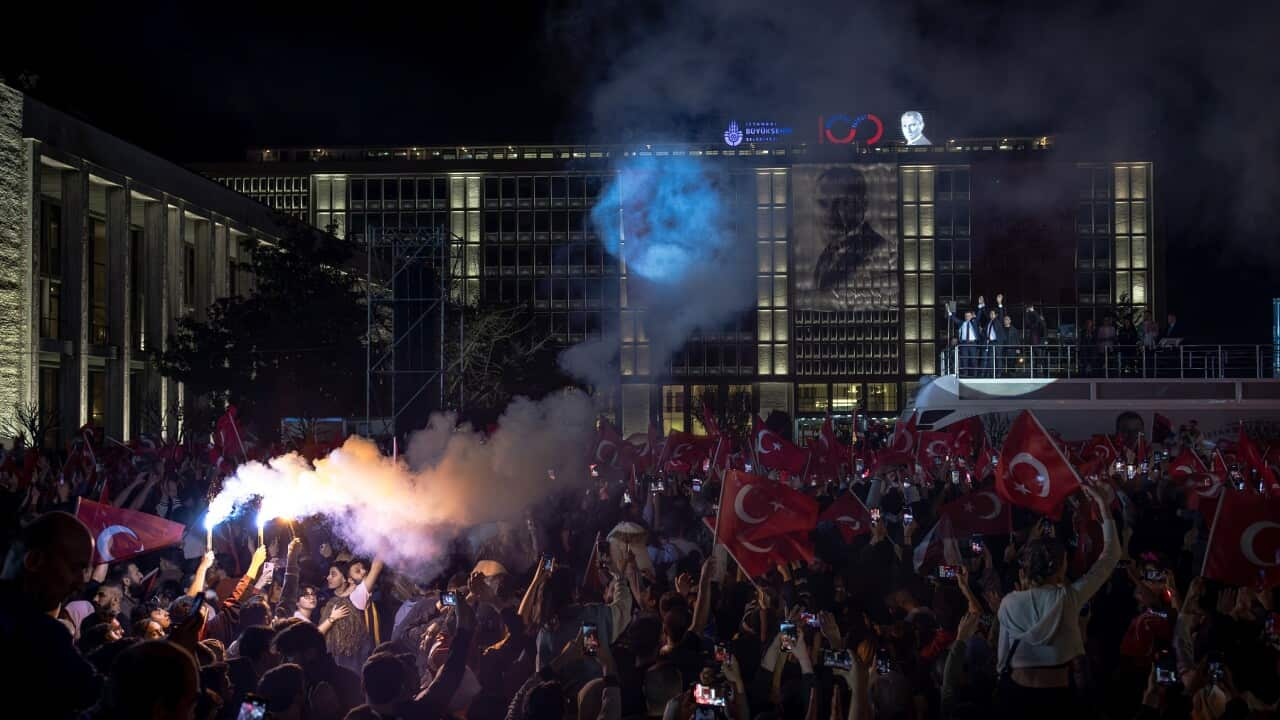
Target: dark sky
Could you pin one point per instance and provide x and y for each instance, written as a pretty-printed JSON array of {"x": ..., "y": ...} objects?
[{"x": 1188, "y": 85}]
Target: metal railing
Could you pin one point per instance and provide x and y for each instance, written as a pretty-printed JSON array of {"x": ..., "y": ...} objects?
[{"x": 1114, "y": 362}]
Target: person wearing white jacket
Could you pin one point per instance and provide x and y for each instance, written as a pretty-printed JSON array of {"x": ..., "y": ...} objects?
[{"x": 1040, "y": 622}]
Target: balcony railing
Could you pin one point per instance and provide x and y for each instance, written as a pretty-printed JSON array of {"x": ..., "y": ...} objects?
[{"x": 1116, "y": 362}]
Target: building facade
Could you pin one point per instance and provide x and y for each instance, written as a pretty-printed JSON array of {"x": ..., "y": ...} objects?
[
  {"x": 104, "y": 247},
  {"x": 857, "y": 248}
]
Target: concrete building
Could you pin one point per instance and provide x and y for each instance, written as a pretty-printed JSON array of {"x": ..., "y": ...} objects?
[
  {"x": 103, "y": 248},
  {"x": 952, "y": 221}
]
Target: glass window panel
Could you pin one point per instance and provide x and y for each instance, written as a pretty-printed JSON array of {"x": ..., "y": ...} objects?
[
  {"x": 473, "y": 226},
  {"x": 627, "y": 357},
  {"x": 912, "y": 359},
  {"x": 926, "y": 220},
  {"x": 926, "y": 254},
  {"x": 340, "y": 193},
  {"x": 322, "y": 194},
  {"x": 1122, "y": 252},
  {"x": 457, "y": 193},
  {"x": 764, "y": 257},
  {"x": 763, "y": 230},
  {"x": 909, "y": 249},
  {"x": 473, "y": 260},
  {"x": 927, "y": 362},
  {"x": 473, "y": 192},
  {"x": 882, "y": 397},
  {"x": 926, "y": 289},
  {"x": 779, "y": 359},
  {"x": 911, "y": 289},
  {"x": 1138, "y": 217},
  {"x": 764, "y": 291},
  {"x": 764, "y": 360},
  {"x": 458, "y": 223},
  {"x": 1139, "y": 253},
  {"x": 1122, "y": 218},
  {"x": 780, "y": 222},
  {"x": 780, "y": 326},
  {"x": 780, "y": 291},
  {"x": 780, "y": 257},
  {"x": 763, "y": 188},
  {"x": 845, "y": 396},
  {"x": 909, "y": 179},
  {"x": 911, "y": 326},
  {"x": 642, "y": 359},
  {"x": 764, "y": 325},
  {"x": 1138, "y": 177},
  {"x": 1122, "y": 183},
  {"x": 811, "y": 398},
  {"x": 962, "y": 220},
  {"x": 926, "y": 184},
  {"x": 780, "y": 188},
  {"x": 926, "y": 324},
  {"x": 1139, "y": 288},
  {"x": 910, "y": 226},
  {"x": 944, "y": 178}
]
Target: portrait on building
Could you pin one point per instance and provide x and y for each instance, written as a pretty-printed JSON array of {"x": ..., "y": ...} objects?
[{"x": 845, "y": 237}]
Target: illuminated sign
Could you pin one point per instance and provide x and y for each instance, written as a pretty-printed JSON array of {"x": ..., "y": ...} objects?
[
  {"x": 840, "y": 129},
  {"x": 755, "y": 131},
  {"x": 913, "y": 128}
]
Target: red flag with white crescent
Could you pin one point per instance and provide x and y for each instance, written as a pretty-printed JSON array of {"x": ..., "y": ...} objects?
[
  {"x": 849, "y": 516},
  {"x": 751, "y": 524},
  {"x": 903, "y": 439},
  {"x": 120, "y": 534},
  {"x": 981, "y": 512},
  {"x": 1032, "y": 472},
  {"x": 1186, "y": 464},
  {"x": 1244, "y": 543},
  {"x": 775, "y": 452}
]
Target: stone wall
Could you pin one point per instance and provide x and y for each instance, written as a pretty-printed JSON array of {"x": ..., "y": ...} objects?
[{"x": 15, "y": 258}]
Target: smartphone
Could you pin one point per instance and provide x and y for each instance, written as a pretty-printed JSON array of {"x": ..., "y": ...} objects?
[
  {"x": 449, "y": 599},
  {"x": 976, "y": 546},
  {"x": 590, "y": 639},
  {"x": 1153, "y": 574},
  {"x": 1130, "y": 471},
  {"x": 602, "y": 553},
  {"x": 883, "y": 662},
  {"x": 548, "y": 562},
  {"x": 811, "y": 619},
  {"x": 626, "y": 497},
  {"x": 1158, "y": 613},
  {"x": 842, "y": 659},
  {"x": 875, "y": 516},
  {"x": 746, "y": 466},
  {"x": 1145, "y": 466},
  {"x": 253, "y": 708},
  {"x": 1216, "y": 671},
  {"x": 595, "y": 471},
  {"x": 710, "y": 695},
  {"x": 722, "y": 652},
  {"x": 908, "y": 517},
  {"x": 697, "y": 486},
  {"x": 1166, "y": 668},
  {"x": 789, "y": 635},
  {"x": 955, "y": 477},
  {"x": 1047, "y": 529},
  {"x": 859, "y": 466},
  {"x": 947, "y": 572},
  {"x": 656, "y": 486}
]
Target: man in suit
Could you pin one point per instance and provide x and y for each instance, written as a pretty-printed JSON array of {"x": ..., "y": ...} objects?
[
  {"x": 1172, "y": 330},
  {"x": 1010, "y": 340},
  {"x": 992, "y": 339},
  {"x": 968, "y": 335}
]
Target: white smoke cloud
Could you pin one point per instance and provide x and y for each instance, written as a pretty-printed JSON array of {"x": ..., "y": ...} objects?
[{"x": 406, "y": 511}]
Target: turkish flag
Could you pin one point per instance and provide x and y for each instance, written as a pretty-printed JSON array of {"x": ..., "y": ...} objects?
[
  {"x": 849, "y": 515},
  {"x": 934, "y": 448},
  {"x": 1219, "y": 464},
  {"x": 967, "y": 436},
  {"x": 709, "y": 421},
  {"x": 775, "y": 452},
  {"x": 835, "y": 452},
  {"x": 1245, "y": 539},
  {"x": 685, "y": 451},
  {"x": 720, "y": 457},
  {"x": 1032, "y": 472},
  {"x": 1186, "y": 464},
  {"x": 981, "y": 512},
  {"x": 1101, "y": 446},
  {"x": 1252, "y": 459},
  {"x": 904, "y": 436},
  {"x": 228, "y": 434},
  {"x": 1202, "y": 491},
  {"x": 609, "y": 445},
  {"x": 120, "y": 534},
  {"x": 1161, "y": 428},
  {"x": 755, "y": 513}
]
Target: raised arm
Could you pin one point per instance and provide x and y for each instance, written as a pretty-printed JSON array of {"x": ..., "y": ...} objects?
[
  {"x": 289, "y": 593},
  {"x": 197, "y": 580},
  {"x": 702, "y": 606},
  {"x": 1089, "y": 583}
]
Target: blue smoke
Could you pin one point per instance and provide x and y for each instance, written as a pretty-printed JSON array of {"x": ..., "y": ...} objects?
[
  {"x": 664, "y": 217},
  {"x": 670, "y": 220}
]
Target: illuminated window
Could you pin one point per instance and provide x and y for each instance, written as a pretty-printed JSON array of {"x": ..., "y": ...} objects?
[
  {"x": 811, "y": 398},
  {"x": 673, "y": 405},
  {"x": 845, "y": 397},
  {"x": 882, "y": 397}
]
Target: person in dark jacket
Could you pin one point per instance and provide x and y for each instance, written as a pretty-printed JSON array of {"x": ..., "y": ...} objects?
[{"x": 53, "y": 559}]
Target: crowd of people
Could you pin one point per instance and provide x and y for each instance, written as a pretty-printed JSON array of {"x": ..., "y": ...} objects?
[
  {"x": 987, "y": 341},
  {"x": 537, "y": 619}
]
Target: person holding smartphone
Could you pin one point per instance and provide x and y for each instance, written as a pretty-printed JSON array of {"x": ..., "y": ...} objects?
[{"x": 1039, "y": 623}]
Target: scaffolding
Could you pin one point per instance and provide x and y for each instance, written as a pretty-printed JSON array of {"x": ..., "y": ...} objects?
[{"x": 407, "y": 286}]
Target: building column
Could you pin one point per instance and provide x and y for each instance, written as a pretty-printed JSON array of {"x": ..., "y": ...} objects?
[
  {"x": 156, "y": 235},
  {"x": 73, "y": 326},
  {"x": 16, "y": 193},
  {"x": 119, "y": 347},
  {"x": 204, "y": 267},
  {"x": 171, "y": 400}
]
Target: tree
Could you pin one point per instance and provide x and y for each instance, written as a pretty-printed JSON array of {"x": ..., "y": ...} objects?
[
  {"x": 28, "y": 425},
  {"x": 295, "y": 347}
]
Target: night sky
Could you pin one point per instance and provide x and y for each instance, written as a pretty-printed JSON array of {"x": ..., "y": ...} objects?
[{"x": 1176, "y": 82}]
